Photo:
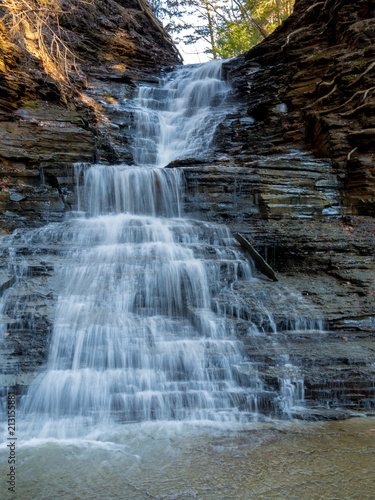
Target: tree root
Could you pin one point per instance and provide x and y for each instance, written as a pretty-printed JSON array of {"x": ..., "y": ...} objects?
[
  {"x": 294, "y": 33},
  {"x": 359, "y": 108},
  {"x": 350, "y": 153},
  {"x": 366, "y": 92},
  {"x": 365, "y": 131},
  {"x": 335, "y": 108},
  {"x": 327, "y": 84},
  {"x": 313, "y": 6},
  {"x": 322, "y": 98},
  {"x": 372, "y": 65}
]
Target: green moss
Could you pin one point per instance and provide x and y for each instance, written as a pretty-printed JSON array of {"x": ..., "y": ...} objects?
[
  {"x": 348, "y": 78},
  {"x": 31, "y": 104}
]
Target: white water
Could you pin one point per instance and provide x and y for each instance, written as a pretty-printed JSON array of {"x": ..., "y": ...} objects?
[
  {"x": 135, "y": 337},
  {"x": 178, "y": 119},
  {"x": 138, "y": 334}
]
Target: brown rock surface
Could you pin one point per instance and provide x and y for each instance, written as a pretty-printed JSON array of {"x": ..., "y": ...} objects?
[
  {"x": 294, "y": 171},
  {"x": 46, "y": 126},
  {"x": 45, "y": 129},
  {"x": 319, "y": 68}
]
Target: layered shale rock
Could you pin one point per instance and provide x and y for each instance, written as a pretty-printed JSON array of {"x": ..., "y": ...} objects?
[
  {"x": 294, "y": 173},
  {"x": 46, "y": 125},
  {"x": 319, "y": 68}
]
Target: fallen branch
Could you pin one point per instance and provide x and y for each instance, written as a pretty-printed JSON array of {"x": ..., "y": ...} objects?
[{"x": 259, "y": 262}]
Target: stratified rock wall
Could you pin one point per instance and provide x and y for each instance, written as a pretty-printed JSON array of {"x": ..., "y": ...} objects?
[
  {"x": 294, "y": 173},
  {"x": 312, "y": 82},
  {"x": 47, "y": 126},
  {"x": 286, "y": 162}
]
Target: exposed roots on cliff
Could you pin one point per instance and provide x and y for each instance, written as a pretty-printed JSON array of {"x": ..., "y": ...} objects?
[
  {"x": 68, "y": 36},
  {"x": 35, "y": 27}
]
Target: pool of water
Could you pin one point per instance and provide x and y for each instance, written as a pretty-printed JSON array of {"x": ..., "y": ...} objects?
[{"x": 330, "y": 460}]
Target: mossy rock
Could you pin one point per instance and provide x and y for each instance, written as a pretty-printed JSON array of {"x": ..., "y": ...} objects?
[{"x": 31, "y": 104}]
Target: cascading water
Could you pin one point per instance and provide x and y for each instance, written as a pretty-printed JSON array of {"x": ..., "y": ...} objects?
[
  {"x": 136, "y": 333},
  {"x": 178, "y": 119}
]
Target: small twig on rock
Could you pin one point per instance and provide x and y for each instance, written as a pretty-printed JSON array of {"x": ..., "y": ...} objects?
[{"x": 350, "y": 154}]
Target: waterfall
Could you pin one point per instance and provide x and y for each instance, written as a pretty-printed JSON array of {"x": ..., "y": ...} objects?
[
  {"x": 178, "y": 119},
  {"x": 137, "y": 335}
]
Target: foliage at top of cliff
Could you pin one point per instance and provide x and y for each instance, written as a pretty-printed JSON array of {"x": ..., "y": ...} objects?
[{"x": 229, "y": 27}]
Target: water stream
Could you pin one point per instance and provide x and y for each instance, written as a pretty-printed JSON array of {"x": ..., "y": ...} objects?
[
  {"x": 135, "y": 335},
  {"x": 138, "y": 334}
]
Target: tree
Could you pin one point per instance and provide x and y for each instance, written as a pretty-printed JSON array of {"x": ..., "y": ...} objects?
[{"x": 229, "y": 26}]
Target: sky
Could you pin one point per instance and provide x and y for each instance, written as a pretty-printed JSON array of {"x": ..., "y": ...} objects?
[{"x": 193, "y": 54}]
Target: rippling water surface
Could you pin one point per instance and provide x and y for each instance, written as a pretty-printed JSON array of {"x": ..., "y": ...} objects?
[{"x": 295, "y": 460}]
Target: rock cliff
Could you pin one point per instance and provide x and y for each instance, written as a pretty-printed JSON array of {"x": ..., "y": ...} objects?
[
  {"x": 47, "y": 125},
  {"x": 319, "y": 67}
]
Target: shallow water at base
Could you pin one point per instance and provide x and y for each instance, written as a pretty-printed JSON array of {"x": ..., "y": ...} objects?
[{"x": 294, "y": 460}]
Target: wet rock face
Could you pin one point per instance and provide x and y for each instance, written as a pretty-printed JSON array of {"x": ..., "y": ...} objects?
[
  {"x": 38, "y": 150},
  {"x": 294, "y": 172},
  {"x": 28, "y": 306},
  {"x": 326, "y": 258},
  {"x": 290, "y": 185},
  {"x": 44, "y": 131}
]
